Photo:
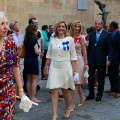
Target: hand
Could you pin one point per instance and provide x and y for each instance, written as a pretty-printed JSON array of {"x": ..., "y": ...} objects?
[
  {"x": 20, "y": 46},
  {"x": 86, "y": 67},
  {"x": 21, "y": 93},
  {"x": 75, "y": 77},
  {"x": 41, "y": 55},
  {"x": 86, "y": 75},
  {"x": 25, "y": 103},
  {"x": 108, "y": 63}
]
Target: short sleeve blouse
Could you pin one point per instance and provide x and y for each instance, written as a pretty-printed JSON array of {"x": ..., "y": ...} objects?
[{"x": 29, "y": 47}]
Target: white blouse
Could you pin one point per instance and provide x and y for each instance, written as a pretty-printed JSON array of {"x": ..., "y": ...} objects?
[{"x": 62, "y": 49}]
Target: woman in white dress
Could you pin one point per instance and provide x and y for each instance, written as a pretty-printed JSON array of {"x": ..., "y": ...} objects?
[
  {"x": 61, "y": 57},
  {"x": 80, "y": 46}
]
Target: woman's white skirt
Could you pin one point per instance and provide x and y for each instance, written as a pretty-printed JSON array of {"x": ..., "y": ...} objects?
[{"x": 60, "y": 75}]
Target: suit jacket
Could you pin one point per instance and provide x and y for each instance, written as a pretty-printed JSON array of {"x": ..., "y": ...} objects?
[
  {"x": 57, "y": 53},
  {"x": 116, "y": 46},
  {"x": 97, "y": 51}
]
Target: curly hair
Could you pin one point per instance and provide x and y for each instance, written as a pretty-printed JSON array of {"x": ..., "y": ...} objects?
[
  {"x": 30, "y": 32},
  {"x": 73, "y": 25}
]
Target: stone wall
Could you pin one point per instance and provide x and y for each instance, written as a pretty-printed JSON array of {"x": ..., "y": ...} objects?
[
  {"x": 49, "y": 11},
  {"x": 46, "y": 11},
  {"x": 113, "y": 6}
]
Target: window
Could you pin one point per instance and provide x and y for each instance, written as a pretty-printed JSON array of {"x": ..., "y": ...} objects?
[{"x": 82, "y": 4}]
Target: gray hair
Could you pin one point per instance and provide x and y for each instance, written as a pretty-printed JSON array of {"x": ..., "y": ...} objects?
[
  {"x": 102, "y": 22},
  {"x": 2, "y": 15}
]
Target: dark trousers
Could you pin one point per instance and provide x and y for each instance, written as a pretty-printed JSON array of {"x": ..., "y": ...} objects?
[
  {"x": 43, "y": 63},
  {"x": 101, "y": 77},
  {"x": 113, "y": 74}
]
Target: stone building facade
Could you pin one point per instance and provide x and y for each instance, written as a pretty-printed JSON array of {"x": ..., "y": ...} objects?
[
  {"x": 49, "y": 11},
  {"x": 112, "y": 6},
  {"x": 46, "y": 11}
]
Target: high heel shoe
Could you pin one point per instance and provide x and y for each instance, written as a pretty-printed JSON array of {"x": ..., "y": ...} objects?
[
  {"x": 72, "y": 109},
  {"x": 67, "y": 114},
  {"x": 82, "y": 101},
  {"x": 54, "y": 117}
]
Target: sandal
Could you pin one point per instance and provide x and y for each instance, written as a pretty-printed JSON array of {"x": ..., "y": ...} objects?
[
  {"x": 82, "y": 101},
  {"x": 72, "y": 109},
  {"x": 54, "y": 117},
  {"x": 67, "y": 114}
]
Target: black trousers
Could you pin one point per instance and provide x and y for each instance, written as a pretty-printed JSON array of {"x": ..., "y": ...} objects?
[
  {"x": 43, "y": 63},
  {"x": 113, "y": 74},
  {"x": 101, "y": 77}
]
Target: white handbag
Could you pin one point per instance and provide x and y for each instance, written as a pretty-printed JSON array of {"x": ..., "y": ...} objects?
[
  {"x": 76, "y": 77},
  {"x": 86, "y": 74}
]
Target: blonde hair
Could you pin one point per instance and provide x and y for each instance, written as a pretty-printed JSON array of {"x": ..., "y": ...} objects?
[
  {"x": 56, "y": 26},
  {"x": 2, "y": 15},
  {"x": 73, "y": 24}
]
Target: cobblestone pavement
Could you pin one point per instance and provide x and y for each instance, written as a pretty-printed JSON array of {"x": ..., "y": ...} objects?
[{"x": 107, "y": 109}]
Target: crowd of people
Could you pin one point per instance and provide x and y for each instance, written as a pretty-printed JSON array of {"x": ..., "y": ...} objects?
[{"x": 68, "y": 54}]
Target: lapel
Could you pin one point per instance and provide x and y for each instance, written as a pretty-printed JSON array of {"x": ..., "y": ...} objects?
[
  {"x": 94, "y": 37},
  {"x": 114, "y": 36}
]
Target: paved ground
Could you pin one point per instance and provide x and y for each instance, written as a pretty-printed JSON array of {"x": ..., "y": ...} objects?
[{"x": 107, "y": 109}]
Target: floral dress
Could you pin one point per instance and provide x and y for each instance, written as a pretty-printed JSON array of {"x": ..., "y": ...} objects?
[{"x": 8, "y": 59}]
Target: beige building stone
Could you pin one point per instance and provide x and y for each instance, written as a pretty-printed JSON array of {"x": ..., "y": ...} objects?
[{"x": 50, "y": 11}]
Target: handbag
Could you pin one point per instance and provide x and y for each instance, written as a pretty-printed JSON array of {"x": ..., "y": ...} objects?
[
  {"x": 76, "y": 77},
  {"x": 46, "y": 70},
  {"x": 21, "y": 51},
  {"x": 86, "y": 74}
]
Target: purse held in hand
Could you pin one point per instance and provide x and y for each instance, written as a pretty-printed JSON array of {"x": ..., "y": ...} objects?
[{"x": 76, "y": 77}]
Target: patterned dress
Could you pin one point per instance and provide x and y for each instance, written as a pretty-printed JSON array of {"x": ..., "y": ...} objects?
[{"x": 8, "y": 59}]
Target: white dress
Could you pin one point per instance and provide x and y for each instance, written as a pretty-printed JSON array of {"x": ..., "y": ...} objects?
[{"x": 61, "y": 52}]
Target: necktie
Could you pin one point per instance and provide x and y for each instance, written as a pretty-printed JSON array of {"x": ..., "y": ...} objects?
[{"x": 97, "y": 36}]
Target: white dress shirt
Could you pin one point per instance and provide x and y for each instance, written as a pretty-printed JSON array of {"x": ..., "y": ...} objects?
[{"x": 16, "y": 37}]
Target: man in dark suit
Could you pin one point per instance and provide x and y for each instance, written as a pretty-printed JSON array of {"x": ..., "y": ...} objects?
[
  {"x": 99, "y": 47},
  {"x": 113, "y": 69}
]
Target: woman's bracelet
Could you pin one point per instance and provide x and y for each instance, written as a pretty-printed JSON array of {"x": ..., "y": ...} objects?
[
  {"x": 74, "y": 71},
  {"x": 21, "y": 90},
  {"x": 46, "y": 66}
]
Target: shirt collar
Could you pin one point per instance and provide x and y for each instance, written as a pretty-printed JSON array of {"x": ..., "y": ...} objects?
[
  {"x": 99, "y": 31},
  {"x": 17, "y": 33}
]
